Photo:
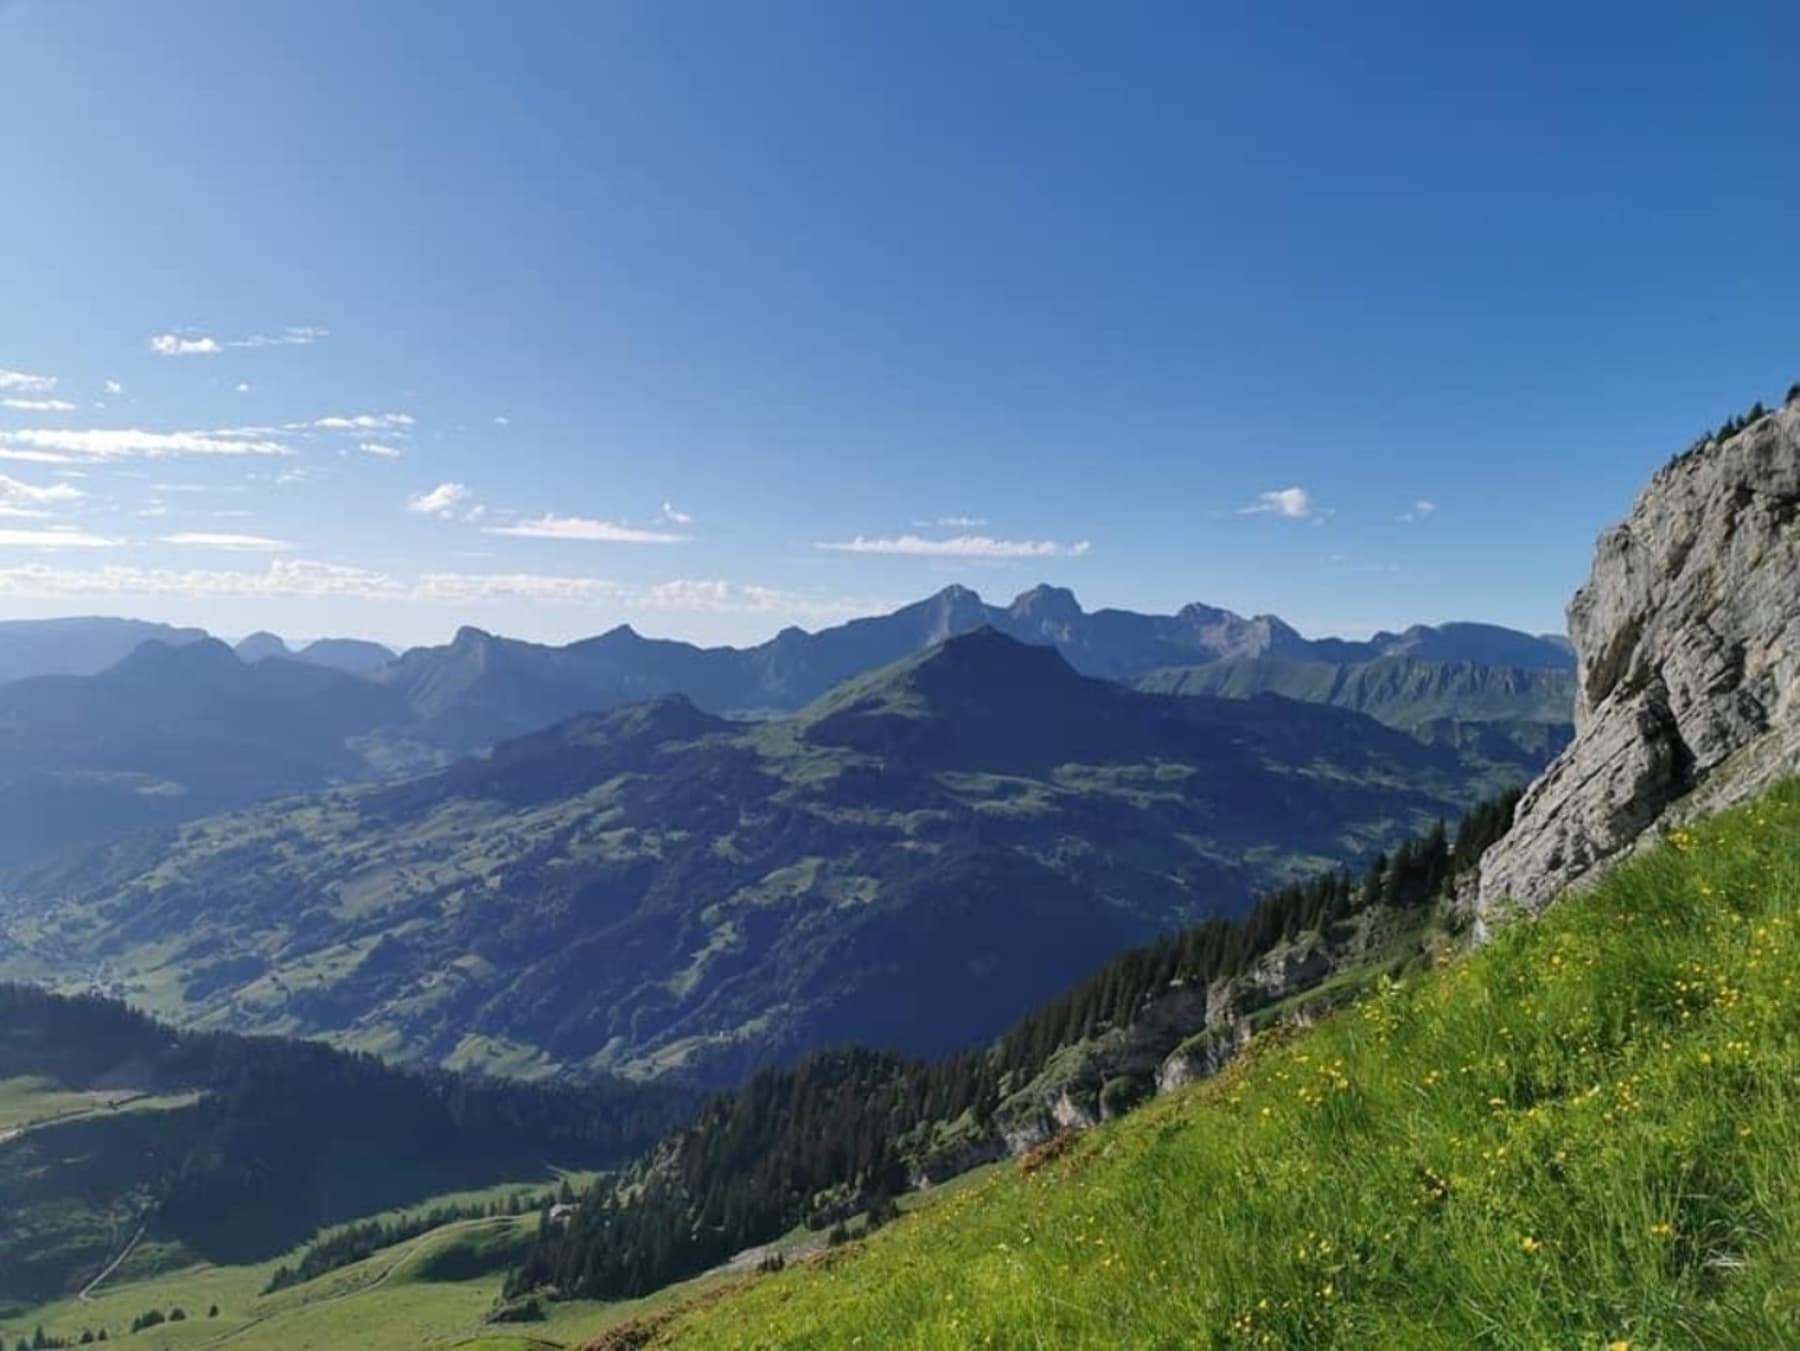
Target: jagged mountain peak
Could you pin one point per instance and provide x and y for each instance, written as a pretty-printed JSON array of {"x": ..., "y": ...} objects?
[
  {"x": 468, "y": 638},
  {"x": 1044, "y": 601}
]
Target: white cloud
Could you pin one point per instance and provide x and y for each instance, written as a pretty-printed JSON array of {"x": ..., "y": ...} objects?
[
  {"x": 152, "y": 511},
  {"x": 237, "y": 544},
  {"x": 674, "y": 517},
  {"x": 583, "y": 529},
  {"x": 182, "y": 345},
  {"x": 242, "y": 387},
  {"x": 193, "y": 344},
  {"x": 283, "y": 577},
  {"x": 33, "y": 456},
  {"x": 956, "y": 522},
  {"x": 457, "y": 587},
  {"x": 120, "y": 442},
  {"x": 302, "y": 579},
  {"x": 288, "y": 337},
  {"x": 501, "y": 420},
  {"x": 961, "y": 546},
  {"x": 1294, "y": 503},
  {"x": 27, "y": 498},
  {"x": 26, "y": 383},
  {"x": 383, "y": 452},
  {"x": 114, "y": 387},
  {"x": 1420, "y": 510},
  {"x": 722, "y": 597},
  {"x": 56, "y": 537},
  {"x": 439, "y": 501},
  {"x": 363, "y": 422},
  {"x": 38, "y": 405}
]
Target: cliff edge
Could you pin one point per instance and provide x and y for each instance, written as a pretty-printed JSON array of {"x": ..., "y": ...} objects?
[{"x": 1687, "y": 636}]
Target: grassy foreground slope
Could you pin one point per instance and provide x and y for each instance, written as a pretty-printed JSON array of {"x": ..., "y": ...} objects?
[{"x": 1585, "y": 1135}]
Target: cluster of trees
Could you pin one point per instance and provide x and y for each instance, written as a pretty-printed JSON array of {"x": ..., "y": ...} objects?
[
  {"x": 752, "y": 1164},
  {"x": 840, "y": 1132},
  {"x": 358, "y": 1241},
  {"x": 41, "y": 1340},
  {"x": 1733, "y": 425},
  {"x": 236, "y": 1173},
  {"x": 150, "y": 1318}
]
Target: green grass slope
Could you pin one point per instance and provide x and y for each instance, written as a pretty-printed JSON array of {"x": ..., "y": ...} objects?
[
  {"x": 434, "y": 1290},
  {"x": 1584, "y": 1135}
]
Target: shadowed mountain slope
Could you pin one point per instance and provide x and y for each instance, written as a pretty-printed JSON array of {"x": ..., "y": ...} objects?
[{"x": 912, "y": 861}]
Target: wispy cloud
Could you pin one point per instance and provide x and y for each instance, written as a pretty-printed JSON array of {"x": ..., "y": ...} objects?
[
  {"x": 304, "y": 579},
  {"x": 242, "y": 386},
  {"x": 26, "y": 383},
  {"x": 674, "y": 517},
  {"x": 955, "y": 523},
  {"x": 960, "y": 546},
  {"x": 381, "y": 451},
  {"x": 722, "y": 597},
  {"x": 288, "y": 337},
  {"x": 56, "y": 537},
  {"x": 26, "y": 499},
  {"x": 1295, "y": 504},
  {"x": 185, "y": 345},
  {"x": 114, "y": 387},
  {"x": 442, "y": 500},
  {"x": 362, "y": 422},
  {"x": 126, "y": 442},
  {"x": 294, "y": 578},
  {"x": 227, "y": 543},
  {"x": 33, "y": 456},
  {"x": 38, "y": 405},
  {"x": 1420, "y": 510},
  {"x": 191, "y": 343},
  {"x": 583, "y": 529}
]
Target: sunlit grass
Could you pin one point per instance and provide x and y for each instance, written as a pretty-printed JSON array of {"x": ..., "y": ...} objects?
[{"x": 1585, "y": 1135}]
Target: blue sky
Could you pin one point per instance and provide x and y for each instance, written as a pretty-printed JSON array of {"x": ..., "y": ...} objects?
[{"x": 377, "y": 319}]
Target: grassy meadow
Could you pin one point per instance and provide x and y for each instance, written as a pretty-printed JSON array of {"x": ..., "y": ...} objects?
[{"x": 1585, "y": 1135}]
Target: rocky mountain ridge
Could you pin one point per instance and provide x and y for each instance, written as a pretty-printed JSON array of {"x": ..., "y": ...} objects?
[
  {"x": 1687, "y": 637},
  {"x": 487, "y": 687}
]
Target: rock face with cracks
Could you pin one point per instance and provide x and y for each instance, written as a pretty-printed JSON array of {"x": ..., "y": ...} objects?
[{"x": 1687, "y": 636}]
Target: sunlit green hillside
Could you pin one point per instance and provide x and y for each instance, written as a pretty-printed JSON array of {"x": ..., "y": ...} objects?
[{"x": 1585, "y": 1135}]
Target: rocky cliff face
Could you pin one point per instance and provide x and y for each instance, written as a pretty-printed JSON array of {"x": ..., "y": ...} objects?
[{"x": 1688, "y": 640}]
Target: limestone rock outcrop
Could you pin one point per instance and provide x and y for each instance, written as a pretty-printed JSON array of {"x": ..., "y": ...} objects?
[{"x": 1687, "y": 636}]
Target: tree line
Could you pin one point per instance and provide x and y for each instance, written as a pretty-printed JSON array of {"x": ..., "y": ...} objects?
[{"x": 237, "y": 1174}]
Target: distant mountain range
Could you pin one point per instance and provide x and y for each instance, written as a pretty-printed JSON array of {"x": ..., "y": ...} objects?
[
  {"x": 481, "y": 688},
  {"x": 79, "y": 646},
  {"x": 656, "y": 888},
  {"x": 168, "y": 734},
  {"x": 182, "y": 726},
  {"x": 341, "y": 654}
]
